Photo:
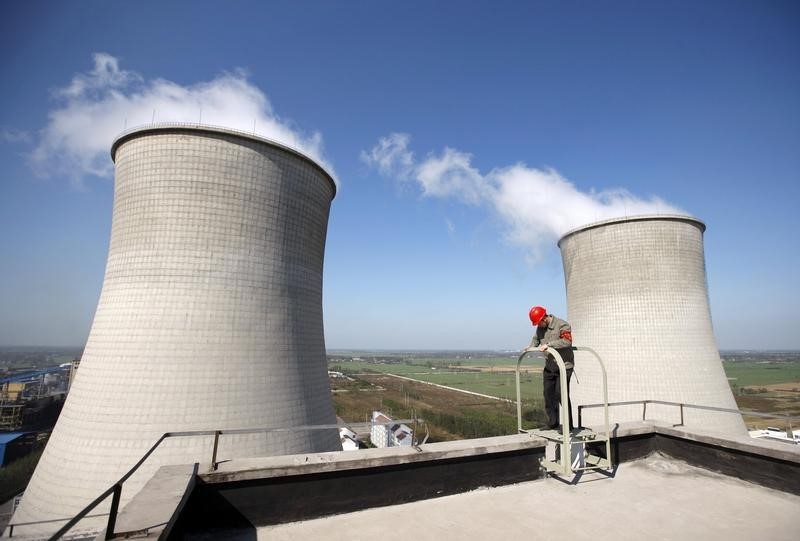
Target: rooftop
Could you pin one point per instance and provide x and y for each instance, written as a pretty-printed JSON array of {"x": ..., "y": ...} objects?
[
  {"x": 667, "y": 482},
  {"x": 656, "y": 497}
]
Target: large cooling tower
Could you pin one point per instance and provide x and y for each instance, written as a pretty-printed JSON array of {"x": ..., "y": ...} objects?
[
  {"x": 210, "y": 316},
  {"x": 637, "y": 294}
]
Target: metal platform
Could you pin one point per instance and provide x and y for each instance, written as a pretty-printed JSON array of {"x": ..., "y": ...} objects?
[
  {"x": 576, "y": 435},
  {"x": 565, "y": 439}
]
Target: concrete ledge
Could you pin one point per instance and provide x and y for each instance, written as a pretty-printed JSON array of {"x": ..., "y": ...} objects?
[
  {"x": 154, "y": 510},
  {"x": 244, "y": 494},
  {"x": 770, "y": 464},
  {"x": 745, "y": 444},
  {"x": 282, "y": 466}
]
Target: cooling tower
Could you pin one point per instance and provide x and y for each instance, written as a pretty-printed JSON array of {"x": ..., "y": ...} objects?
[
  {"x": 210, "y": 316},
  {"x": 637, "y": 294}
]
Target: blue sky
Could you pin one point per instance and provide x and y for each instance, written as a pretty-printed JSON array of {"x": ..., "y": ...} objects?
[{"x": 424, "y": 110}]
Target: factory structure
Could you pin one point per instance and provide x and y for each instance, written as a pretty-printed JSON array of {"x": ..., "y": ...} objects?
[
  {"x": 210, "y": 316},
  {"x": 637, "y": 294},
  {"x": 31, "y": 400}
]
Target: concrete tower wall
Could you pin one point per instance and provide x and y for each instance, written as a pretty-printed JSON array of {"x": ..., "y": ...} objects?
[
  {"x": 210, "y": 316},
  {"x": 637, "y": 294}
]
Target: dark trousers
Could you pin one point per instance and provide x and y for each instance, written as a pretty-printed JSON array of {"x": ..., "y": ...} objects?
[{"x": 552, "y": 396}]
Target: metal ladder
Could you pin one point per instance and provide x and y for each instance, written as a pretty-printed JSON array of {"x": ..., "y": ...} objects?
[{"x": 566, "y": 438}]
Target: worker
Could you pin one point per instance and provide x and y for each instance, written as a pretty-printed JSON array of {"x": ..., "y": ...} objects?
[{"x": 557, "y": 334}]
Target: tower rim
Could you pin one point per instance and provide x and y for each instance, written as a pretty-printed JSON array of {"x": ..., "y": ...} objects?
[
  {"x": 638, "y": 218},
  {"x": 186, "y": 127}
]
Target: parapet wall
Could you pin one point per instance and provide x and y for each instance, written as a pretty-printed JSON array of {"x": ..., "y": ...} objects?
[{"x": 259, "y": 492}]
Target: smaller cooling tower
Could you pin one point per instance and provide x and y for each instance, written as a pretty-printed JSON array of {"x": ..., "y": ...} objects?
[{"x": 637, "y": 294}]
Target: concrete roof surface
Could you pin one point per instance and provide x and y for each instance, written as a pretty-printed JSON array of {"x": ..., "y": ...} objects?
[{"x": 652, "y": 498}]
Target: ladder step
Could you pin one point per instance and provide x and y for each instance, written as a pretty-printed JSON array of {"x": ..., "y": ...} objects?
[
  {"x": 589, "y": 438},
  {"x": 583, "y": 435},
  {"x": 596, "y": 461},
  {"x": 556, "y": 467}
]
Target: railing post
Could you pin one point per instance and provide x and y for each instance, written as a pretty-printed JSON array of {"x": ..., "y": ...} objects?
[
  {"x": 214, "y": 452},
  {"x": 580, "y": 412},
  {"x": 644, "y": 410},
  {"x": 112, "y": 514},
  {"x": 11, "y": 530},
  {"x": 519, "y": 395},
  {"x": 681, "y": 415}
]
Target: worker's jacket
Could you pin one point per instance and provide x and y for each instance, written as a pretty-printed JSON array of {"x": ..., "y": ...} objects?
[{"x": 557, "y": 335}]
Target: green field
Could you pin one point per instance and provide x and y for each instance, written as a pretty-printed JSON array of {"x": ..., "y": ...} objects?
[
  {"x": 476, "y": 361},
  {"x": 502, "y": 384},
  {"x": 498, "y": 384},
  {"x": 745, "y": 374},
  {"x": 749, "y": 379}
]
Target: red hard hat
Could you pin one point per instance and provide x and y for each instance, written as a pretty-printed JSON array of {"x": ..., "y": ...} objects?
[{"x": 536, "y": 314}]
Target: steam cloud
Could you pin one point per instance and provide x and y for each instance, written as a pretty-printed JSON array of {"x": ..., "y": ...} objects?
[
  {"x": 536, "y": 206},
  {"x": 96, "y": 106}
]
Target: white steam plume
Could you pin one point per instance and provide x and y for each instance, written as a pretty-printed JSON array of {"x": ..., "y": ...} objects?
[
  {"x": 96, "y": 106},
  {"x": 536, "y": 206}
]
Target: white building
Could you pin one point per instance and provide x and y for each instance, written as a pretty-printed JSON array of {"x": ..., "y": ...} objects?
[
  {"x": 776, "y": 434},
  {"x": 348, "y": 439},
  {"x": 386, "y": 433}
]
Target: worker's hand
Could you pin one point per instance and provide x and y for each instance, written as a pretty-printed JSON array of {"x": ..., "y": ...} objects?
[{"x": 543, "y": 347}]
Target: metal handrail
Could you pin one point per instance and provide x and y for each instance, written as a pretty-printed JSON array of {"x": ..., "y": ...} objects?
[
  {"x": 564, "y": 410},
  {"x": 116, "y": 488},
  {"x": 682, "y": 405}
]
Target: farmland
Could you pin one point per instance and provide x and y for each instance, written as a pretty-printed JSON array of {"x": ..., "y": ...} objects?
[
  {"x": 450, "y": 414},
  {"x": 765, "y": 383},
  {"x": 761, "y": 382},
  {"x": 497, "y": 380}
]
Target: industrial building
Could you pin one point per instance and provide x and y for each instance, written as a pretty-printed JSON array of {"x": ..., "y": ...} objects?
[
  {"x": 209, "y": 328},
  {"x": 15, "y": 445},
  {"x": 637, "y": 294},
  {"x": 32, "y": 400},
  {"x": 210, "y": 316}
]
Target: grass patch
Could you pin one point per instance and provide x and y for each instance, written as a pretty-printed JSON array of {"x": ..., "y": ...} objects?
[{"x": 746, "y": 374}]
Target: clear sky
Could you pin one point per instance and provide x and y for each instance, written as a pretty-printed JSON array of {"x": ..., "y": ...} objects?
[{"x": 435, "y": 117}]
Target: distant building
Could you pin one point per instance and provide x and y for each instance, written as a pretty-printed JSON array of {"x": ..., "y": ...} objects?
[
  {"x": 13, "y": 390},
  {"x": 14, "y": 445},
  {"x": 348, "y": 439},
  {"x": 338, "y": 375},
  {"x": 11, "y": 416},
  {"x": 386, "y": 433},
  {"x": 776, "y": 434}
]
